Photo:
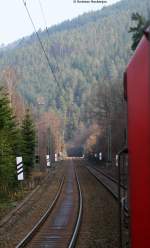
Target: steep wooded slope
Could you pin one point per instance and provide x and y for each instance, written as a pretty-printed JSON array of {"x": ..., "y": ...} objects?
[{"x": 88, "y": 50}]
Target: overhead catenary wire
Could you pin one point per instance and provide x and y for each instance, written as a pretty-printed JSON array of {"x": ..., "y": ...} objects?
[
  {"x": 41, "y": 44},
  {"x": 43, "y": 14},
  {"x": 47, "y": 31},
  {"x": 48, "y": 35}
]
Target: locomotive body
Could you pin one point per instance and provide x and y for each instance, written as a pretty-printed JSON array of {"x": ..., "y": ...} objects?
[{"x": 137, "y": 91}]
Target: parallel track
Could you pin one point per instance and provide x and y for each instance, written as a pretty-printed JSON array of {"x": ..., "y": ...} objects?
[
  {"x": 109, "y": 183},
  {"x": 59, "y": 226},
  {"x": 111, "y": 178},
  {"x": 112, "y": 186}
]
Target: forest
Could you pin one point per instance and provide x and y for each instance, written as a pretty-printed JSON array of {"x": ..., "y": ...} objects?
[
  {"x": 81, "y": 103},
  {"x": 89, "y": 51},
  {"x": 25, "y": 135}
]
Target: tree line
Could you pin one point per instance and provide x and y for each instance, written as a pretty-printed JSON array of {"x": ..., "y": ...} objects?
[
  {"x": 25, "y": 133},
  {"x": 15, "y": 140},
  {"x": 106, "y": 110},
  {"x": 86, "y": 51}
]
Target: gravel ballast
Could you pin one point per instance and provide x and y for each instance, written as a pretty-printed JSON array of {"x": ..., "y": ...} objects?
[
  {"x": 99, "y": 228},
  {"x": 23, "y": 220}
]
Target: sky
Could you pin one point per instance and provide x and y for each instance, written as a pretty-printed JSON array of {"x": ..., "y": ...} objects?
[{"x": 15, "y": 23}]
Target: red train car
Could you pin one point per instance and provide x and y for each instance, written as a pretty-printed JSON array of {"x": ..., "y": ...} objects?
[{"x": 137, "y": 90}]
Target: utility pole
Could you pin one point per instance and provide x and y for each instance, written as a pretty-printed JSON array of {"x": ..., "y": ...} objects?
[
  {"x": 40, "y": 102},
  {"x": 49, "y": 144},
  {"x": 109, "y": 140}
]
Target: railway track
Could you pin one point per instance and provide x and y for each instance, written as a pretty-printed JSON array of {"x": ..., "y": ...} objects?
[
  {"x": 111, "y": 184},
  {"x": 111, "y": 178},
  {"x": 59, "y": 226}
]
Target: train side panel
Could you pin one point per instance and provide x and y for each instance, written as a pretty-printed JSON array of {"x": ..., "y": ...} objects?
[{"x": 138, "y": 102}]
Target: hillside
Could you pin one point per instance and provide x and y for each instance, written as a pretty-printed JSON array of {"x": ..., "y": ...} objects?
[{"x": 84, "y": 52}]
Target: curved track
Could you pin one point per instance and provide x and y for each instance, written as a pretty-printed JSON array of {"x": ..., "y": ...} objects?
[{"x": 59, "y": 226}]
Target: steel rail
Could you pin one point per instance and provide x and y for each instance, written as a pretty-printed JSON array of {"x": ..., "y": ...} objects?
[
  {"x": 18, "y": 208},
  {"x": 34, "y": 230},
  {"x": 79, "y": 218},
  {"x": 115, "y": 195},
  {"x": 111, "y": 178},
  {"x": 104, "y": 184}
]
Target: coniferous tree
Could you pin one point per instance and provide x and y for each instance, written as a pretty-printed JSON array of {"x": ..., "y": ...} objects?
[
  {"x": 138, "y": 30},
  {"x": 8, "y": 134},
  {"x": 28, "y": 142}
]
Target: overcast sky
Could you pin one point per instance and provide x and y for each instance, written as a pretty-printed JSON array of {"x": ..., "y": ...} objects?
[{"x": 14, "y": 22}]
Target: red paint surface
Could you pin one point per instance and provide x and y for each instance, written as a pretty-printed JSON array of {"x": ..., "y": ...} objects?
[{"x": 138, "y": 95}]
